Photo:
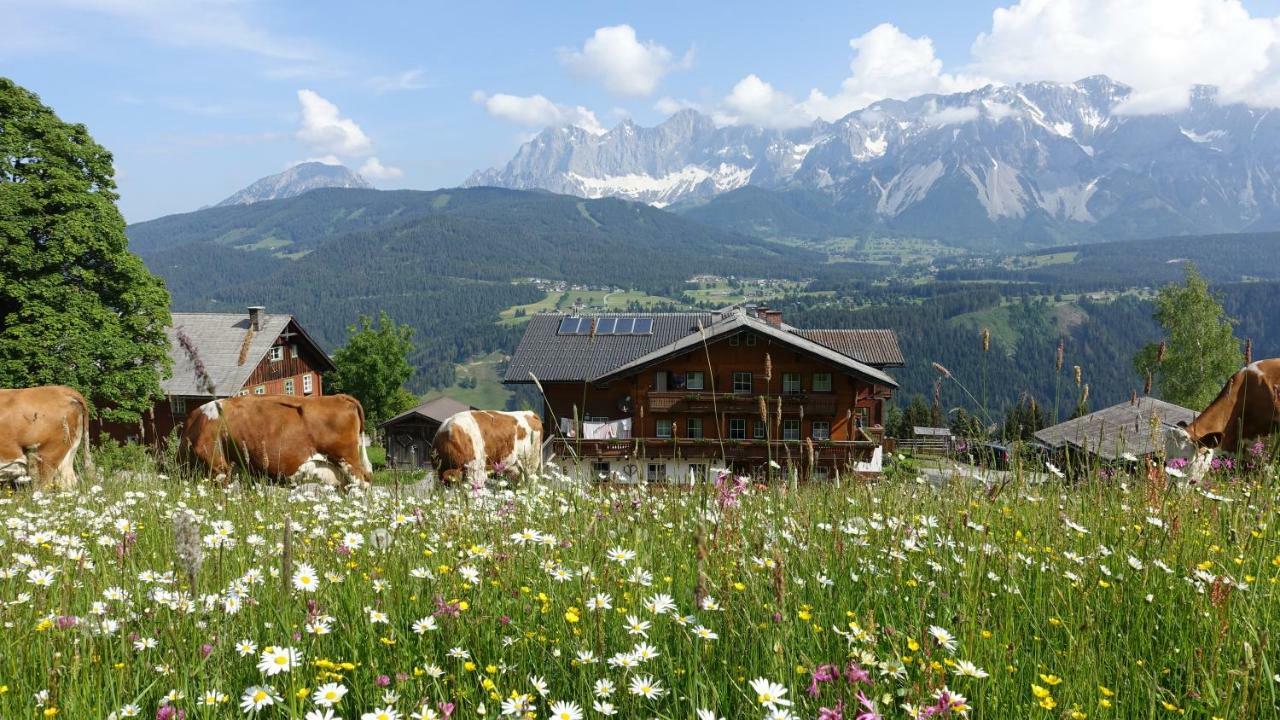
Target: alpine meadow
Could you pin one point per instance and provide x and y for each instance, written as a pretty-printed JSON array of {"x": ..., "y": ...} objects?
[{"x": 686, "y": 362}]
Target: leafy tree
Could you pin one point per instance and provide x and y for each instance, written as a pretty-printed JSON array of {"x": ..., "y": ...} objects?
[
  {"x": 76, "y": 307},
  {"x": 967, "y": 425},
  {"x": 1200, "y": 352},
  {"x": 374, "y": 366}
]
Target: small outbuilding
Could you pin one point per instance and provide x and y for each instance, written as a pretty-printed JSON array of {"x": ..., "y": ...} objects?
[
  {"x": 1134, "y": 427},
  {"x": 408, "y": 435}
]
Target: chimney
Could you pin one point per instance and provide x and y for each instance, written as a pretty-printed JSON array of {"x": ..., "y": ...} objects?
[
  {"x": 773, "y": 317},
  {"x": 256, "y": 314}
]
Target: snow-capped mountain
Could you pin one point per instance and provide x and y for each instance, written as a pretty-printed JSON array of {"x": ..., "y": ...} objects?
[
  {"x": 296, "y": 180},
  {"x": 1035, "y": 162}
]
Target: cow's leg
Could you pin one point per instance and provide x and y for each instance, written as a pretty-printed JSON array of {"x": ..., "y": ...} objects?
[{"x": 49, "y": 466}]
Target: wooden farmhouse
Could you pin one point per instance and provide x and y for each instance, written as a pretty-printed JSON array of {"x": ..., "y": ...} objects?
[
  {"x": 240, "y": 354},
  {"x": 667, "y": 397},
  {"x": 407, "y": 436}
]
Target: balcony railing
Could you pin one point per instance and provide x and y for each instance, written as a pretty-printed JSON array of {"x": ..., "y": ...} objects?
[
  {"x": 692, "y": 401},
  {"x": 825, "y": 451}
]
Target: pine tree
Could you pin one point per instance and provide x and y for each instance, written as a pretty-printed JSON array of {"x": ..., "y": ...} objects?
[
  {"x": 76, "y": 307},
  {"x": 1200, "y": 351}
]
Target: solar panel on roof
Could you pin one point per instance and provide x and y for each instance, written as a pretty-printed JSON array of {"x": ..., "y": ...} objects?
[
  {"x": 604, "y": 326},
  {"x": 569, "y": 325},
  {"x": 643, "y": 326},
  {"x": 623, "y": 327}
]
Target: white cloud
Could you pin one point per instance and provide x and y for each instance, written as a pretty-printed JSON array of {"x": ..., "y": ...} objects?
[
  {"x": 536, "y": 111},
  {"x": 196, "y": 23},
  {"x": 414, "y": 79},
  {"x": 887, "y": 63},
  {"x": 951, "y": 115},
  {"x": 325, "y": 130},
  {"x": 622, "y": 63},
  {"x": 1159, "y": 47},
  {"x": 755, "y": 102},
  {"x": 373, "y": 169}
]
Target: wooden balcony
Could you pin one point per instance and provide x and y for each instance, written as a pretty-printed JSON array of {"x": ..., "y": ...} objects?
[
  {"x": 685, "y": 401},
  {"x": 827, "y": 452}
]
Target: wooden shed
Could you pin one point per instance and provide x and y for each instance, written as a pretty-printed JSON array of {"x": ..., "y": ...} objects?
[{"x": 408, "y": 435}]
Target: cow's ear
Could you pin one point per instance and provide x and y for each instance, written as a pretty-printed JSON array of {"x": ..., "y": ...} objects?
[{"x": 1211, "y": 440}]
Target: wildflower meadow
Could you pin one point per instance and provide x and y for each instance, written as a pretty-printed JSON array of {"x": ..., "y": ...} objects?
[{"x": 165, "y": 598}]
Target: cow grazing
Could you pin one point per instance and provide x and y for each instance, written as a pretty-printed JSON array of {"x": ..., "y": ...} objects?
[
  {"x": 471, "y": 443},
  {"x": 1246, "y": 409},
  {"x": 48, "y": 423},
  {"x": 286, "y": 438}
]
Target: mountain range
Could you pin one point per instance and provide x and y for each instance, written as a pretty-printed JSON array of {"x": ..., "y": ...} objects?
[
  {"x": 298, "y": 179},
  {"x": 1009, "y": 165}
]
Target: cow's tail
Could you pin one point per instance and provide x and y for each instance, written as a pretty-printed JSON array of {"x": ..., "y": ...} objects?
[
  {"x": 85, "y": 453},
  {"x": 364, "y": 442}
]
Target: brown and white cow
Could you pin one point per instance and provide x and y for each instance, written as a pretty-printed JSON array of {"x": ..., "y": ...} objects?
[
  {"x": 1247, "y": 408},
  {"x": 48, "y": 423},
  {"x": 286, "y": 438},
  {"x": 471, "y": 443}
]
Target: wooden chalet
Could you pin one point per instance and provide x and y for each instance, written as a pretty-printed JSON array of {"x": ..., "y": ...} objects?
[
  {"x": 667, "y": 397},
  {"x": 241, "y": 354},
  {"x": 407, "y": 436}
]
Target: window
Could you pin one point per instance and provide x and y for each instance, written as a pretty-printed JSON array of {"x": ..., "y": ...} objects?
[
  {"x": 737, "y": 429},
  {"x": 277, "y": 353},
  {"x": 822, "y": 382},
  {"x": 288, "y": 386},
  {"x": 860, "y": 417},
  {"x": 293, "y": 351},
  {"x": 790, "y": 429},
  {"x": 657, "y": 472},
  {"x": 821, "y": 473},
  {"x": 735, "y": 341},
  {"x": 757, "y": 430},
  {"x": 821, "y": 430},
  {"x": 693, "y": 427},
  {"x": 751, "y": 340},
  {"x": 790, "y": 383},
  {"x": 742, "y": 383},
  {"x": 306, "y": 384},
  {"x": 601, "y": 470},
  {"x": 663, "y": 429},
  {"x": 242, "y": 393},
  {"x": 260, "y": 390},
  {"x": 177, "y": 406},
  {"x": 697, "y": 472},
  {"x": 694, "y": 381}
]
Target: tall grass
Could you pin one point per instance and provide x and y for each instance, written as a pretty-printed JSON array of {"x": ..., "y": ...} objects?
[{"x": 1116, "y": 599}]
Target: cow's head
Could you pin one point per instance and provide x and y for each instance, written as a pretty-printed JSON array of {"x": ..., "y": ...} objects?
[{"x": 1198, "y": 450}]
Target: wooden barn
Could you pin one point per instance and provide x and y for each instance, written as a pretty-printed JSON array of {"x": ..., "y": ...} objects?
[
  {"x": 407, "y": 436},
  {"x": 251, "y": 353},
  {"x": 1135, "y": 427},
  {"x": 665, "y": 397}
]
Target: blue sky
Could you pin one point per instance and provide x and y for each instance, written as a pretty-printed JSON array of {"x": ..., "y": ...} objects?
[{"x": 197, "y": 99}]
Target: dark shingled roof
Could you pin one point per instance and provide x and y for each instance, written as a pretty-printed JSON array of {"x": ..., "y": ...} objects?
[
  {"x": 1119, "y": 429},
  {"x": 577, "y": 358},
  {"x": 873, "y": 347},
  {"x": 574, "y": 358}
]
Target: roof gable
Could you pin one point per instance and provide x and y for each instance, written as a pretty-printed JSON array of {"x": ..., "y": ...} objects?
[
  {"x": 553, "y": 357},
  {"x": 225, "y": 348},
  {"x": 440, "y": 409},
  {"x": 740, "y": 321}
]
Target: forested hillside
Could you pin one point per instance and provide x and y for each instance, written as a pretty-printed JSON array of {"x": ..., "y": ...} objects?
[{"x": 440, "y": 261}]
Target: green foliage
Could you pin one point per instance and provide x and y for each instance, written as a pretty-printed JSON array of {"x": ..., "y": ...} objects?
[
  {"x": 112, "y": 458},
  {"x": 900, "y": 468},
  {"x": 373, "y": 366},
  {"x": 76, "y": 307},
  {"x": 1201, "y": 351},
  {"x": 1023, "y": 420}
]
